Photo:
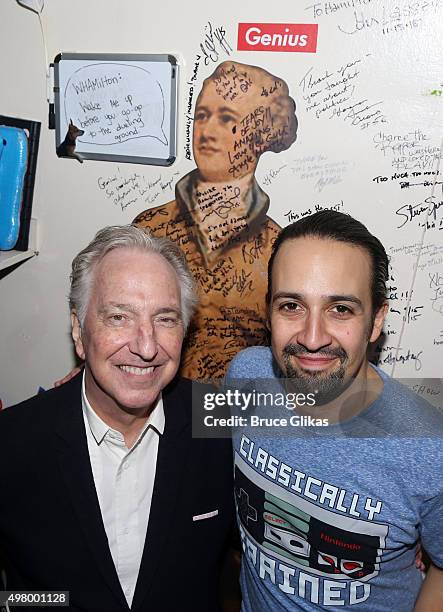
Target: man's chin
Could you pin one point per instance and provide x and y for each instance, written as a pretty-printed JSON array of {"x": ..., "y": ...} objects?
[
  {"x": 326, "y": 386},
  {"x": 311, "y": 377},
  {"x": 138, "y": 399},
  {"x": 138, "y": 407}
]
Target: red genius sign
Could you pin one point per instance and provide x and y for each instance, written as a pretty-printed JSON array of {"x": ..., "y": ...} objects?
[{"x": 301, "y": 37}]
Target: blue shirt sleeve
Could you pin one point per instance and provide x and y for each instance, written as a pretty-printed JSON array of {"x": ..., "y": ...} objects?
[{"x": 431, "y": 528}]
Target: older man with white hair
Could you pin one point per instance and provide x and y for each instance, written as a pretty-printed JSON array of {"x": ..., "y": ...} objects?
[{"x": 108, "y": 497}]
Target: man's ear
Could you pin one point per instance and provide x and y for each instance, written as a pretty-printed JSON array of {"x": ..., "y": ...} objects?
[
  {"x": 379, "y": 320},
  {"x": 76, "y": 332}
]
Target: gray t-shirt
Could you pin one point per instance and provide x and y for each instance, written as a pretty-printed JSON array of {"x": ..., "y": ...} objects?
[{"x": 329, "y": 517}]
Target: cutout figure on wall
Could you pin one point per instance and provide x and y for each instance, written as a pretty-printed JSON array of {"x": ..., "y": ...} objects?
[
  {"x": 67, "y": 147},
  {"x": 219, "y": 215}
]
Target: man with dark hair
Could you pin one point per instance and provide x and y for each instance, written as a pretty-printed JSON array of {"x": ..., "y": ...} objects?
[
  {"x": 333, "y": 497},
  {"x": 337, "y": 226},
  {"x": 103, "y": 491}
]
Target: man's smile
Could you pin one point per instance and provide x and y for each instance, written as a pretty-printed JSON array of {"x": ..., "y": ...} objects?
[
  {"x": 315, "y": 362},
  {"x": 136, "y": 370}
]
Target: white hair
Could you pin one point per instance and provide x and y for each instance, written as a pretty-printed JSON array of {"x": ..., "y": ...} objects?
[{"x": 128, "y": 236}]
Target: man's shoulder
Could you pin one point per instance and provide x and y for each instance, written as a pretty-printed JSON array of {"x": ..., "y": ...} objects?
[
  {"x": 253, "y": 362},
  {"x": 35, "y": 412},
  {"x": 412, "y": 412}
]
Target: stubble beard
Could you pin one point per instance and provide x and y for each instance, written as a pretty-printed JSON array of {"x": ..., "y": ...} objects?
[{"x": 326, "y": 386}]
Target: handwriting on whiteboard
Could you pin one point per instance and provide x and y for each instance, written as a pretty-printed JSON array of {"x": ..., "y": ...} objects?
[{"x": 115, "y": 102}]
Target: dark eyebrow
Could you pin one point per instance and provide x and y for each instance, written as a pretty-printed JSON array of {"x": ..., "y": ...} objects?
[
  {"x": 285, "y": 294},
  {"x": 346, "y": 298},
  {"x": 331, "y": 298}
]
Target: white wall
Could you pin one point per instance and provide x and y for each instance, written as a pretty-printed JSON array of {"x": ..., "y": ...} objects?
[{"x": 398, "y": 70}]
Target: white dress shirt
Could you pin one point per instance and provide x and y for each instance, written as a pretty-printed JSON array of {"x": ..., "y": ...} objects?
[{"x": 124, "y": 481}]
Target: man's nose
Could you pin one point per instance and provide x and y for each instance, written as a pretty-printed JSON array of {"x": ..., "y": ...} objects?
[
  {"x": 314, "y": 334},
  {"x": 144, "y": 341},
  {"x": 207, "y": 129}
]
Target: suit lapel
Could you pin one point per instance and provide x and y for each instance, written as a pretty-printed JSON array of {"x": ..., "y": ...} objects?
[
  {"x": 174, "y": 447},
  {"x": 73, "y": 455}
]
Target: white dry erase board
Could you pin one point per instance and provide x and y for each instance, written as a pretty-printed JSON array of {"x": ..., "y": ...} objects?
[{"x": 124, "y": 103}]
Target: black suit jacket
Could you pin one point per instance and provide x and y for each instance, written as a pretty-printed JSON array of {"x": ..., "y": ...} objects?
[{"x": 51, "y": 530}]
